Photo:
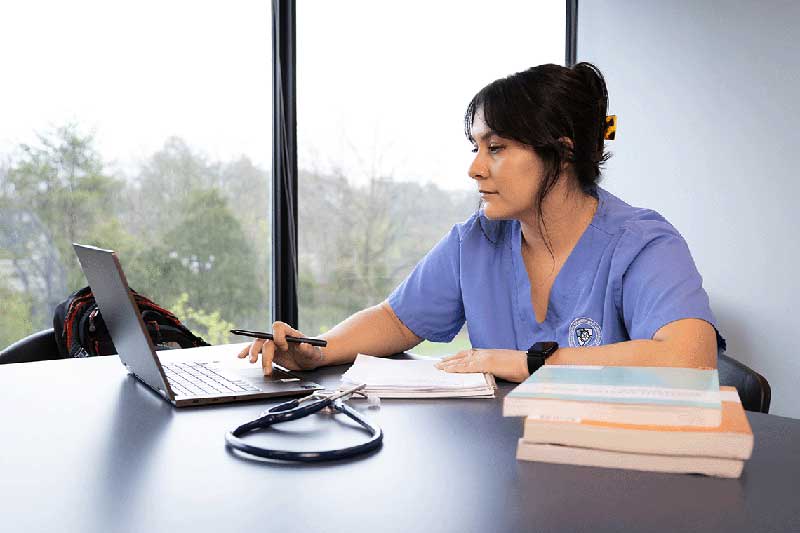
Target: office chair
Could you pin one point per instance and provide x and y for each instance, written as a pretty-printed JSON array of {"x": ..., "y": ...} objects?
[
  {"x": 753, "y": 388},
  {"x": 39, "y": 346}
]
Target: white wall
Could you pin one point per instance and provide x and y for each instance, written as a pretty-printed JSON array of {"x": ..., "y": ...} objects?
[{"x": 707, "y": 94}]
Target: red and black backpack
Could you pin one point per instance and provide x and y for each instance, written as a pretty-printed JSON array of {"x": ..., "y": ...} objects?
[{"x": 81, "y": 332}]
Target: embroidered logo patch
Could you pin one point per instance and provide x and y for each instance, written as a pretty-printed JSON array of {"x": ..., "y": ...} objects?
[{"x": 585, "y": 332}]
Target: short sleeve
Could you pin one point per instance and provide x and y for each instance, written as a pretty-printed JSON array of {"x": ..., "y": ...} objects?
[
  {"x": 429, "y": 300},
  {"x": 661, "y": 283}
]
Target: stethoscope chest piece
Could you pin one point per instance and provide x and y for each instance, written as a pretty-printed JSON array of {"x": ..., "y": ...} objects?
[{"x": 296, "y": 409}]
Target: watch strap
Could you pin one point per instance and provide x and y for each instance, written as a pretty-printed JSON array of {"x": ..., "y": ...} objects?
[{"x": 538, "y": 354}]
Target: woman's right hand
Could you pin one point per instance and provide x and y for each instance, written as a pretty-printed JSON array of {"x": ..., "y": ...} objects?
[{"x": 292, "y": 355}]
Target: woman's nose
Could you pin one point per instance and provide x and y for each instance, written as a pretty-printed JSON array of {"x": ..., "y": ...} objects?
[{"x": 477, "y": 170}]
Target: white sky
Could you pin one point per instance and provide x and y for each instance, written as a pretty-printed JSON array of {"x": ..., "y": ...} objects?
[{"x": 382, "y": 86}]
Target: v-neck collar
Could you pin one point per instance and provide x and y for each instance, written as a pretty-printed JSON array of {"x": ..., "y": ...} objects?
[{"x": 570, "y": 270}]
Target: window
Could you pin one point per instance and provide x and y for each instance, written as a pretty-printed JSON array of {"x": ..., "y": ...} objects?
[
  {"x": 145, "y": 128},
  {"x": 381, "y": 93}
]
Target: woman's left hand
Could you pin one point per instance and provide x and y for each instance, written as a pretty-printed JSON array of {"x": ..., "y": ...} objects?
[{"x": 511, "y": 365}]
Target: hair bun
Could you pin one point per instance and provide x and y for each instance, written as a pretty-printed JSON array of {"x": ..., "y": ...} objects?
[
  {"x": 594, "y": 79},
  {"x": 595, "y": 83}
]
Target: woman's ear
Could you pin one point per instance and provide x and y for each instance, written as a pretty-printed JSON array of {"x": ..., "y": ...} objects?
[{"x": 567, "y": 150}]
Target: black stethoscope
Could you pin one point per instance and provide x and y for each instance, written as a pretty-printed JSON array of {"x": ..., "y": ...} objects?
[{"x": 299, "y": 408}]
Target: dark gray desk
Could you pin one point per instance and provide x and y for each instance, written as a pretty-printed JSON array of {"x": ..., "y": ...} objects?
[{"x": 84, "y": 447}]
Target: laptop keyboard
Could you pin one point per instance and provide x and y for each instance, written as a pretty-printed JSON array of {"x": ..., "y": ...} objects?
[{"x": 196, "y": 378}]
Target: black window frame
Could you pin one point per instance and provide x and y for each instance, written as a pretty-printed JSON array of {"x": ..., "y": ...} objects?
[
  {"x": 284, "y": 163},
  {"x": 284, "y": 151}
]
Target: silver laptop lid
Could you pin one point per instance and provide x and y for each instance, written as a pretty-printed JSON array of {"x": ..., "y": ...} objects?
[{"x": 121, "y": 315}]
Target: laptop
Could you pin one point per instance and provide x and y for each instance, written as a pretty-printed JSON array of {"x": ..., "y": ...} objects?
[{"x": 181, "y": 382}]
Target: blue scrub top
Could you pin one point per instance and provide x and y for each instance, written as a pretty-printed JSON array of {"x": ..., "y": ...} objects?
[{"x": 630, "y": 273}]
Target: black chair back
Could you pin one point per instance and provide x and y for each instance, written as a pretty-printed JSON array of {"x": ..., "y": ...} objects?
[
  {"x": 39, "y": 346},
  {"x": 753, "y": 388}
]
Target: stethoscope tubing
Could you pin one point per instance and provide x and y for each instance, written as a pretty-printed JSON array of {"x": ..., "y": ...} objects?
[{"x": 293, "y": 410}]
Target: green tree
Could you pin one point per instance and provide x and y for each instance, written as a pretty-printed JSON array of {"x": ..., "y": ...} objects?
[
  {"x": 52, "y": 194},
  {"x": 206, "y": 256},
  {"x": 171, "y": 222},
  {"x": 15, "y": 320},
  {"x": 358, "y": 242},
  {"x": 177, "y": 176},
  {"x": 210, "y": 326},
  {"x": 165, "y": 180},
  {"x": 248, "y": 188}
]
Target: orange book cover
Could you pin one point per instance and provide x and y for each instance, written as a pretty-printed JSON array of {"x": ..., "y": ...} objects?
[{"x": 732, "y": 439}]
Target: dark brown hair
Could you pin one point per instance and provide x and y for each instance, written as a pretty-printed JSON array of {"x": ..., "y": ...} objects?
[{"x": 542, "y": 107}]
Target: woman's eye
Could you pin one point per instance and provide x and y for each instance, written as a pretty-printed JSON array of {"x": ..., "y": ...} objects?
[{"x": 492, "y": 148}]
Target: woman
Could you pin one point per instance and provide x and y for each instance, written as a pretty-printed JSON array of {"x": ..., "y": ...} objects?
[{"x": 549, "y": 257}]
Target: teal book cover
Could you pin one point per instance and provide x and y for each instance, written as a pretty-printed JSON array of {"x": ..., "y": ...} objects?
[{"x": 668, "y": 386}]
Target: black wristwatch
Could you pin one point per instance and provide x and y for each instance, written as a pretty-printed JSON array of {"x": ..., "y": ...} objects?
[{"x": 538, "y": 354}]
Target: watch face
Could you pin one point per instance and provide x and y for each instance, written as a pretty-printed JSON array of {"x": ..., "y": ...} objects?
[
  {"x": 538, "y": 353},
  {"x": 544, "y": 348}
]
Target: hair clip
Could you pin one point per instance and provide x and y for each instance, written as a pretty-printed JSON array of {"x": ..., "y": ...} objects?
[{"x": 611, "y": 128}]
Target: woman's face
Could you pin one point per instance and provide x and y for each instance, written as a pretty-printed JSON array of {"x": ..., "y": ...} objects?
[{"x": 506, "y": 172}]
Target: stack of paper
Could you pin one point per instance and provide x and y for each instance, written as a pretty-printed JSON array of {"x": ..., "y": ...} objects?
[{"x": 417, "y": 378}]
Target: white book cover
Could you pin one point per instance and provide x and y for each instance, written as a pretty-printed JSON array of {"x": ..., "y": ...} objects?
[{"x": 632, "y": 395}]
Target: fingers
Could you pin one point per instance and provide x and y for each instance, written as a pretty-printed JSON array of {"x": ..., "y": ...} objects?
[
  {"x": 290, "y": 355},
  {"x": 263, "y": 347},
  {"x": 460, "y": 365},
  {"x": 245, "y": 352},
  {"x": 463, "y": 361},
  {"x": 267, "y": 356},
  {"x": 460, "y": 355},
  {"x": 279, "y": 335},
  {"x": 251, "y": 350},
  {"x": 279, "y": 331},
  {"x": 255, "y": 348}
]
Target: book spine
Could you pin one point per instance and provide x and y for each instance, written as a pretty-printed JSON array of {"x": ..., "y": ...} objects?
[
  {"x": 690, "y": 443},
  {"x": 710, "y": 466},
  {"x": 617, "y": 394}
]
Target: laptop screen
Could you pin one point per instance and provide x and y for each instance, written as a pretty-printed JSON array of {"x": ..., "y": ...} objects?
[{"x": 121, "y": 315}]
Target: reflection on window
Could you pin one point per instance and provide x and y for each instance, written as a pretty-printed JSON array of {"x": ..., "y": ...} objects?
[
  {"x": 382, "y": 155},
  {"x": 157, "y": 149}
]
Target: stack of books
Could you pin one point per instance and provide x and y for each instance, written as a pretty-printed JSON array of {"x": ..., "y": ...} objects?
[
  {"x": 641, "y": 418},
  {"x": 415, "y": 378}
]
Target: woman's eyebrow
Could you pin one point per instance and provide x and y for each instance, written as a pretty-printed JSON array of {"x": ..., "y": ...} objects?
[{"x": 485, "y": 136}]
